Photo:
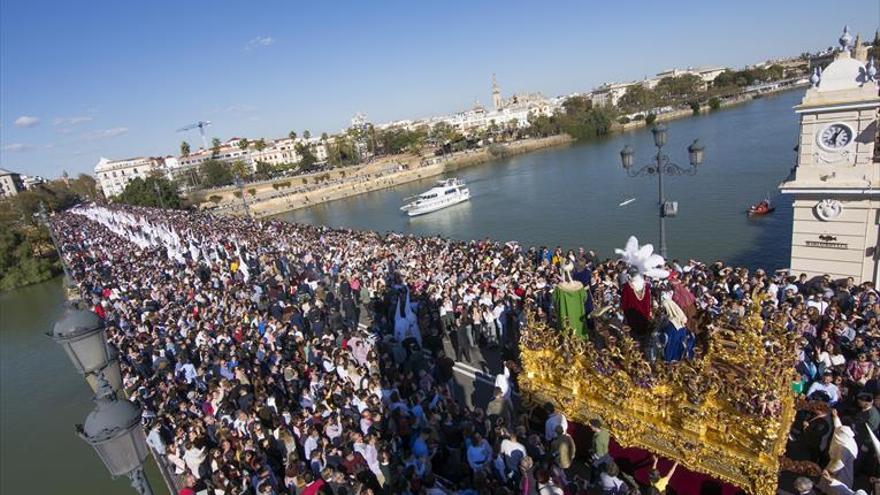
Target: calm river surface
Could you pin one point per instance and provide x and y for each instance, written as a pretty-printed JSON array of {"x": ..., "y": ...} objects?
[
  {"x": 569, "y": 196},
  {"x": 565, "y": 196},
  {"x": 41, "y": 399}
]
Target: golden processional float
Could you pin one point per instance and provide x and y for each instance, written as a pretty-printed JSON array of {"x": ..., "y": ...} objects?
[{"x": 726, "y": 413}]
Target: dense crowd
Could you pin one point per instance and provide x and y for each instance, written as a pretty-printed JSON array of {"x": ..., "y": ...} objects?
[{"x": 273, "y": 358}]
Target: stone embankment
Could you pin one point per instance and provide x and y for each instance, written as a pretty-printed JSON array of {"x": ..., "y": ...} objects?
[{"x": 268, "y": 199}]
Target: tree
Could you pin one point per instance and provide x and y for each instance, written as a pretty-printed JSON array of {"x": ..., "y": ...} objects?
[
  {"x": 714, "y": 103},
  {"x": 215, "y": 146},
  {"x": 307, "y": 158},
  {"x": 291, "y": 135},
  {"x": 239, "y": 169},
  {"x": 576, "y": 105},
  {"x": 264, "y": 170},
  {"x": 153, "y": 191},
  {"x": 84, "y": 187},
  {"x": 184, "y": 148},
  {"x": 650, "y": 119},
  {"x": 243, "y": 143},
  {"x": 215, "y": 173},
  {"x": 695, "y": 106},
  {"x": 636, "y": 98},
  {"x": 260, "y": 144},
  {"x": 324, "y": 137},
  {"x": 22, "y": 262},
  {"x": 671, "y": 90},
  {"x": 307, "y": 135}
]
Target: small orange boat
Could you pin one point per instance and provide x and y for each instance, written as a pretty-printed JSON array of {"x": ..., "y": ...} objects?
[{"x": 762, "y": 208}]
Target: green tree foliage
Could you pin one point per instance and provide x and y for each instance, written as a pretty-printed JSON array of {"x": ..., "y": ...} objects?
[
  {"x": 671, "y": 90},
  {"x": 184, "y": 148},
  {"x": 155, "y": 192},
  {"x": 291, "y": 135},
  {"x": 650, "y": 118},
  {"x": 695, "y": 106},
  {"x": 714, "y": 103},
  {"x": 582, "y": 122},
  {"x": 307, "y": 135},
  {"x": 637, "y": 97},
  {"x": 25, "y": 258},
  {"x": 264, "y": 170},
  {"x": 243, "y": 143},
  {"x": 307, "y": 158},
  {"x": 748, "y": 77},
  {"x": 215, "y": 146},
  {"x": 398, "y": 140},
  {"x": 215, "y": 173},
  {"x": 260, "y": 144},
  {"x": 26, "y": 252}
]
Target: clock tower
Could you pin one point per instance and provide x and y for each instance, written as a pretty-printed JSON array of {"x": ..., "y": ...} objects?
[{"x": 836, "y": 183}]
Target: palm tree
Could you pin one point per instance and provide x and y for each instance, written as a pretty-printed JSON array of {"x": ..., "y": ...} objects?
[
  {"x": 307, "y": 135},
  {"x": 260, "y": 144},
  {"x": 215, "y": 146},
  {"x": 243, "y": 143},
  {"x": 291, "y": 135},
  {"x": 184, "y": 148}
]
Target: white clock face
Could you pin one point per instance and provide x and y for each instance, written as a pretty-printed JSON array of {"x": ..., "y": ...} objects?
[{"x": 835, "y": 137}]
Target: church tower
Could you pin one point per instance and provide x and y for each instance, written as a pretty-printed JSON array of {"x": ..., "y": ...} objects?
[
  {"x": 836, "y": 183},
  {"x": 496, "y": 94}
]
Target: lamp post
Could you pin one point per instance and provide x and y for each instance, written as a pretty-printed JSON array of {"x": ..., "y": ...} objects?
[
  {"x": 240, "y": 184},
  {"x": 113, "y": 428},
  {"x": 663, "y": 166}
]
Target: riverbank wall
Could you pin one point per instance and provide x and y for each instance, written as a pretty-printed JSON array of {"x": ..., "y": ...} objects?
[
  {"x": 687, "y": 112},
  {"x": 409, "y": 169}
]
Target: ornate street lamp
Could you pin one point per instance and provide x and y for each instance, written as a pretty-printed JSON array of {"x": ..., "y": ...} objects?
[
  {"x": 114, "y": 430},
  {"x": 662, "y": 166},
  {"x": 83, "y": 337}
]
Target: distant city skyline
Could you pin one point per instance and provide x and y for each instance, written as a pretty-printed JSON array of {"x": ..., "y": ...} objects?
[{"x": 81, "y": 81}]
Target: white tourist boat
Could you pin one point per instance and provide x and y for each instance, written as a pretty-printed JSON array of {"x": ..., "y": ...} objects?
[{"x": 445, "y": 193}]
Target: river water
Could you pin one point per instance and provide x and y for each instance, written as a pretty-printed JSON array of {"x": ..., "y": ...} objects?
[
  {"x": 569, "y": 196},
  {"x": 41, "y": 399},
  {"x": 564, "y": 196}
]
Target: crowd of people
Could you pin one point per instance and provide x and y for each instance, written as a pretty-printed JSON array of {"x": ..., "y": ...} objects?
[{"x": 273, "y": 358}]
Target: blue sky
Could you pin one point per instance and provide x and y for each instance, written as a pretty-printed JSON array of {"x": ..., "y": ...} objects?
[{"x": 81, "y": 80}]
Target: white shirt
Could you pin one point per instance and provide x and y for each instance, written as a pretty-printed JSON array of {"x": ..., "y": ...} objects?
[{"x": 553, "y": 421}]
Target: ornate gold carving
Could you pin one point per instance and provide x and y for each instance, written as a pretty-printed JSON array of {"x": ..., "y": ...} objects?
[{"x": 725, "y": 413}]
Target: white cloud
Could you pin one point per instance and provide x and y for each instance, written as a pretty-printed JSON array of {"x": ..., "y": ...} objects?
[
  {"x": 14, "y": 147},
  {"x": 104, "y": 133},
  {"x": 26, "y": 121},
  {"x": 259, "y": 41},
  {"x": 66, "y": 121}
]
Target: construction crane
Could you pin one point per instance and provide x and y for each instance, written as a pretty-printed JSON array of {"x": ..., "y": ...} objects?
[{"x": 200, "y": 125}]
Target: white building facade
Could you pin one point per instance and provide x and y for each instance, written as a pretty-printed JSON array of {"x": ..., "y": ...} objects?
[
  {"x": 114, "y": 175},
  {"x": 10, "y": 183}
]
